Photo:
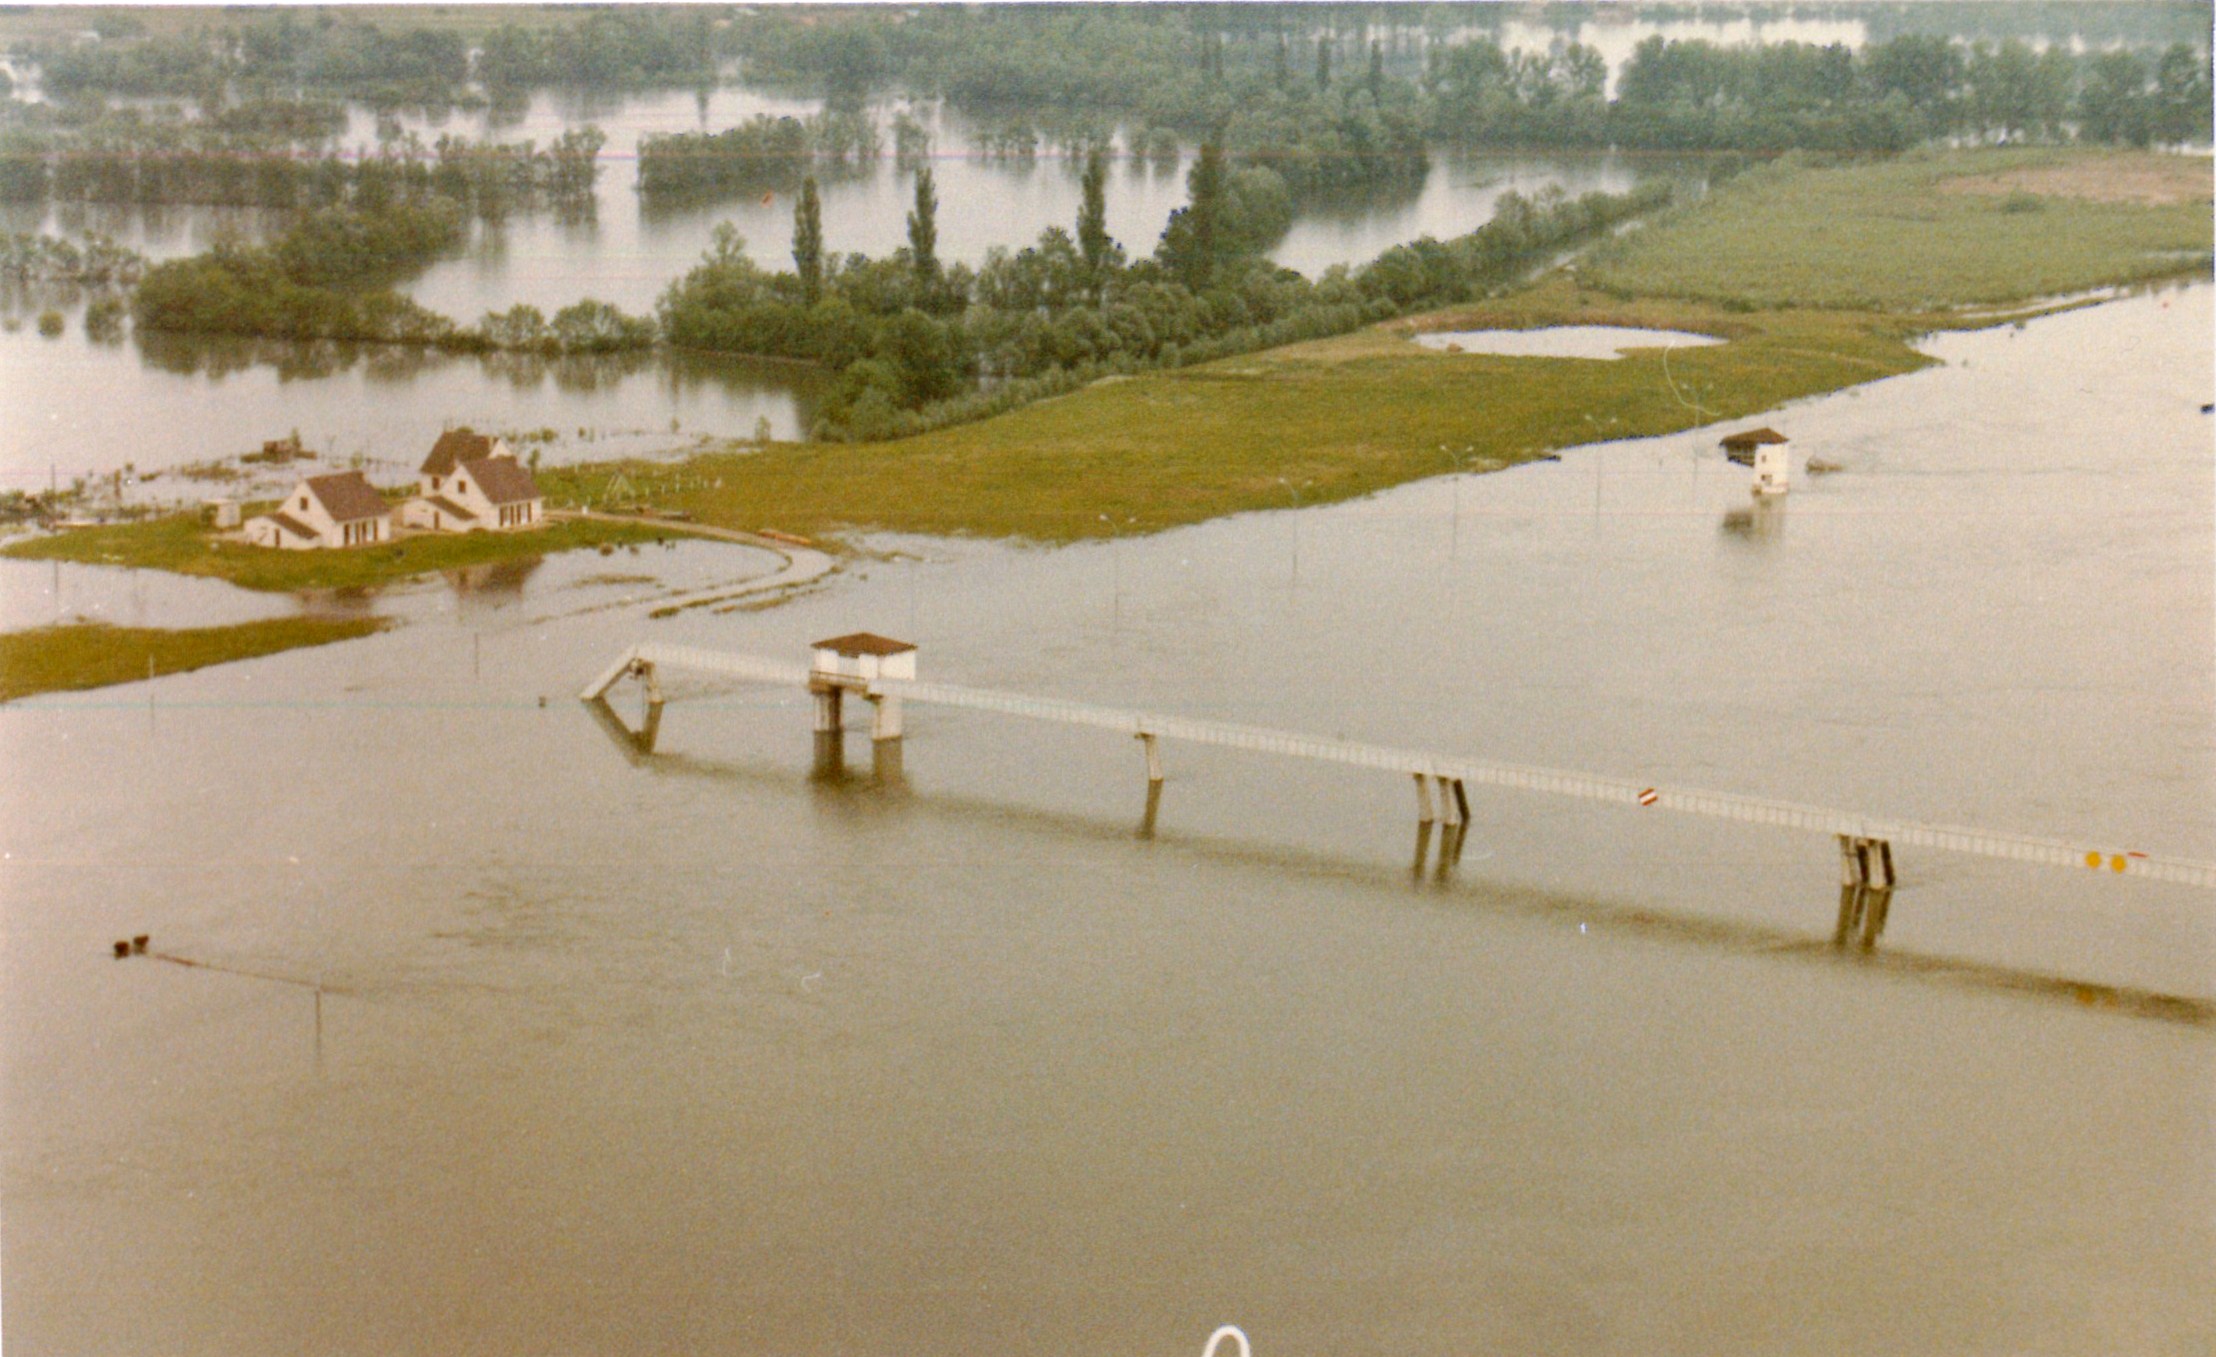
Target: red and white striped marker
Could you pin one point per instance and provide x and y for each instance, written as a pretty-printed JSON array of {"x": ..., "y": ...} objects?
[{"x": 1649, "y": 797}]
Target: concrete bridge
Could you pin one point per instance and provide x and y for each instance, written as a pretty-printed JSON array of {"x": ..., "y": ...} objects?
[{"x": 870, "y": 667}]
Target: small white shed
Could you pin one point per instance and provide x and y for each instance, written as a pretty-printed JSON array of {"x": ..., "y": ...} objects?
[
  {"x": 864, "y": 656},
  {"x": 1764, "y": 450}
]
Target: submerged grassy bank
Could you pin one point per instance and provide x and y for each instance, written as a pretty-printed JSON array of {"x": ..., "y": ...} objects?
[
  {"x": 94, "y": 655},
  {"x": 181, "y": 544}
]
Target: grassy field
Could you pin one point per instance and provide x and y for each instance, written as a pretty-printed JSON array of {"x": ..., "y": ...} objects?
[
  {"x": 94, "y": 655},
  {"x": 182, "y": 545},
  {"x": 1926, "y": 231},
  {"x": 1311, "y": 423}
]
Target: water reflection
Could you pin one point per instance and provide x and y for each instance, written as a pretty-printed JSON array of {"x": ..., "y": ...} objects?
[
  {"x": 1862, "y": 910},
  {"x": 828, "y": 769},
  {"x": 1761, "y": 521},
  {"x": 495, "y": 584}
]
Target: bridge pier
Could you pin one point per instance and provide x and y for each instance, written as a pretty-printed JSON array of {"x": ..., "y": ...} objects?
[
  {"x": 654, "y": 700},
  {"x": 1153, "y": 757},
  {"x": 1424, "y": 815},
  {"x": 1865, "y": 862},
  {"x": 884, "y": 721},
  {"x": 1865, "y": 889},
  {"x": 829, "y": 704}
]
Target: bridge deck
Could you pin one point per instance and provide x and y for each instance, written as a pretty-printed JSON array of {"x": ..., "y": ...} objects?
[{"x": 1385, "y": 758}]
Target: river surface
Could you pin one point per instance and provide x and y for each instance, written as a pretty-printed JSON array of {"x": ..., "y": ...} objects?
[{"x": 722, "y": 1050}]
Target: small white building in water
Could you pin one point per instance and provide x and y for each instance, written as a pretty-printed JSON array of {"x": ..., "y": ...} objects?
[{"x": 1764, "y": 450}]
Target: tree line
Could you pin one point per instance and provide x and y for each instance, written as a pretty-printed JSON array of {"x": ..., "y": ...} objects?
[
  {"x": 1321, "y": 98},
  {"x": 327, "y": 50},
  {"x": 917, "y": 343},
  {"x": 281, "y": 155}
]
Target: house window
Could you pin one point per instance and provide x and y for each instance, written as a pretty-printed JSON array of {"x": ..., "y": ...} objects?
[{"x": 434, "y": 485}]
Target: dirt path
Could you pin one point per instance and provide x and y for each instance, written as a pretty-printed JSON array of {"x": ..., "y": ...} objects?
[{"x": 802, "y": 565}]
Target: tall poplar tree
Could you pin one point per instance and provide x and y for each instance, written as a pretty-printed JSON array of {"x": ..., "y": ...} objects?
[
  {"x": 1377, "y": 72},
  {"x": 923, "y": 239},
  {"x": 1323, "y": 63},
  {"x": 1195, "y": 235},
  {"x": 1092, "y": 221},
  {"x": 808, "y": 241}
]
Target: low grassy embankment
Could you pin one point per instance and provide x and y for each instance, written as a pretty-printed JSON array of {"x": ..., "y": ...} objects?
[
  {"x": 1819, "y": 278},
  {"x": 182, "y": 545},
  {"x": 93, "y": 655}
]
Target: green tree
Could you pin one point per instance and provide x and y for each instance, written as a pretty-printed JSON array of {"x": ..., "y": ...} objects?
[
  {"x": 1377, "y": 72},
  {"x": 1323, "y": 64},
  {"x": 808, "y": 241},
  {"x": 2181, "y": 93},
  {"x": 1092, "y": 222},
  {"x": 1284, "y": 60},
  {"x": 1195, "y": 237},
  {"x": 923, "y": 239}
]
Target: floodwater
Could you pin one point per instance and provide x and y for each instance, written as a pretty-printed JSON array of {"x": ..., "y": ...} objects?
[
  {"x": 715, "y": 1050},
  {"x": 1605, "y": 342},
  {"x": 77, "y": 405}
]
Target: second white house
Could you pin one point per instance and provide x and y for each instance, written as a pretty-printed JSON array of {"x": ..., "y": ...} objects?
[{"x": 472, "y": 482}]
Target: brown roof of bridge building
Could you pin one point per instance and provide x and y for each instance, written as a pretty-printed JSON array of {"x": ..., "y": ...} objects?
[
  {"x": 503, "y": 479},
  {"x": 455, "y": 445},
  {"x": 864, "y": 643},
  {"x": 347, "y": 496}
]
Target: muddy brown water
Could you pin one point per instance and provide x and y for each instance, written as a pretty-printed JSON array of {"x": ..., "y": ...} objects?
[{"x": 717, "y": 1051}]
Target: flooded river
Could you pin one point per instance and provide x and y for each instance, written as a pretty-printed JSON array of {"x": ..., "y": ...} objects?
[{"x": 717, "y": 1050}]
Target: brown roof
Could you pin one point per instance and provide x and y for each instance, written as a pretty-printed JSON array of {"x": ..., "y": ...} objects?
[
  {"x": 864, "y": 643},
  {"x": 441, "y": 502},
  {"x": 347, "y": 496},
  {"x": 503, "y": 479},
  {"x": 293, "y": 526},
  {"x": 454, "y": 445},
  {"x": 1753, "y": 436}
]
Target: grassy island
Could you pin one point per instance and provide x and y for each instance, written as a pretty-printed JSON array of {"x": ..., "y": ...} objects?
[
  {"x": 180, "y": 543},
  {"x": 94, "y": 655},
  {"x": 1819, "y": 277}
]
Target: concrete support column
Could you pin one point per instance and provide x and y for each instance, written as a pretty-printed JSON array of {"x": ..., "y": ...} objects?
[
  {"x": 1424, "y": 815},
  {"x": 828, "y": 711},
  {"x": 1450, "y": 809},
  {"x": 1153, "y": 758},
  {"x": 884, "y": 721}
]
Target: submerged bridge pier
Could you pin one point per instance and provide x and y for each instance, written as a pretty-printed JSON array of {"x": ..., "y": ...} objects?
[{"x": 883, "y": 672}]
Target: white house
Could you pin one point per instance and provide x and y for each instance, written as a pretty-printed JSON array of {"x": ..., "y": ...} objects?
[
  {"x": 339, "y": 510},
  {"x": 471, "y": 481}
]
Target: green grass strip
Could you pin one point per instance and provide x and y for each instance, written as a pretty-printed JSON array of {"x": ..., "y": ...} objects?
[
  {"x": 80, "y": 655},
  {"x": 179, "y": 543}
]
